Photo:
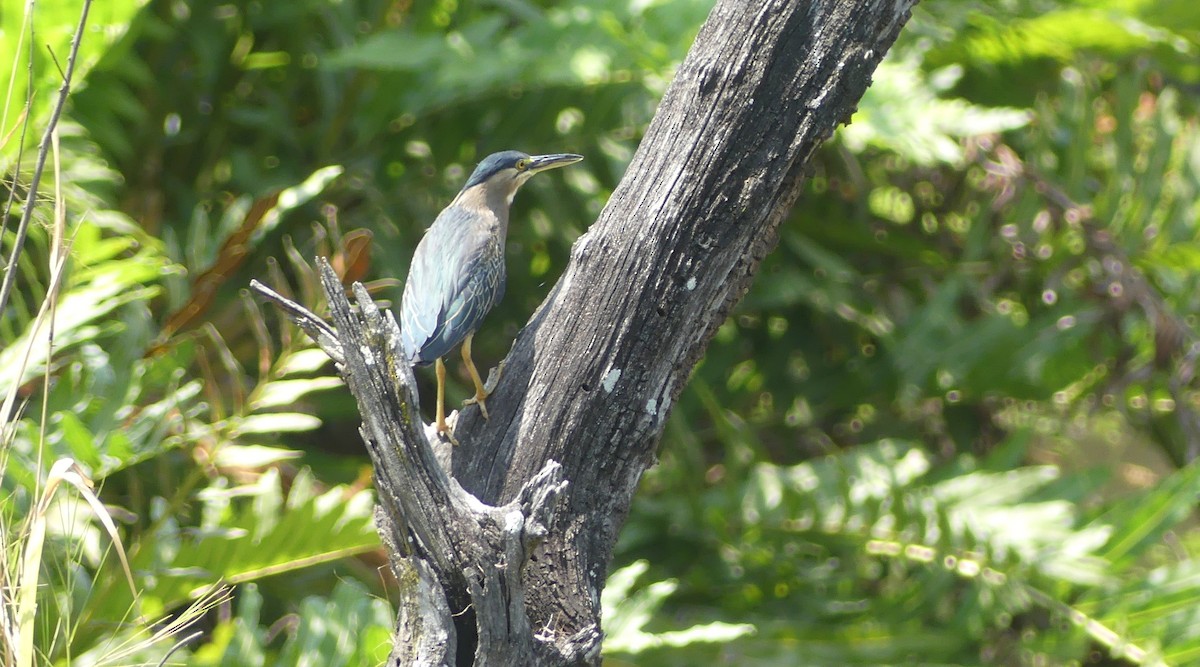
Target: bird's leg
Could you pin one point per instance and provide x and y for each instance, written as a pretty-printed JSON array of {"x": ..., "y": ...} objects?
[
  {"x": 481, "y": 392},
  {"x": 442, "y": 426}
]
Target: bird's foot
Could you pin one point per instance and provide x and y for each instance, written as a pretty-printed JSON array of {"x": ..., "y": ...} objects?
[
  {"x": 444, "y": 429},
  {"x": 486, "y": 390},
  {"x": 479, "y": 399}
]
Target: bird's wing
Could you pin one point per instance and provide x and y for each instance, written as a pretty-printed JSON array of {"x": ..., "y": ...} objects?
[{"x": 455, "y": 279}]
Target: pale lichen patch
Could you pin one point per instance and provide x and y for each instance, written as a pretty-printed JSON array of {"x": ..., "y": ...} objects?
[{"x": 610, "y": 380}]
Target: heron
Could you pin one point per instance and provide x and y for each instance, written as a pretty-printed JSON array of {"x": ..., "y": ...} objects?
[{"x": 457, "y": 273}]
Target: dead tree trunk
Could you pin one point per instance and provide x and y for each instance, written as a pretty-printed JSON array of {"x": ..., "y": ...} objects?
[{"x": 502, "y": 544}]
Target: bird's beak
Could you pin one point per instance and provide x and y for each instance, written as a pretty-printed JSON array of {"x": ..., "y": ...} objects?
[{"x": 538, "y": 163}]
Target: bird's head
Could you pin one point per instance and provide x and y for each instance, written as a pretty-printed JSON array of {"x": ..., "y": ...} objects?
[{"x": 507, "y": 171}]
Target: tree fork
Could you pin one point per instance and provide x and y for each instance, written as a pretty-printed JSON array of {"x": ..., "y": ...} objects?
[{"x": 502, "y": 544}]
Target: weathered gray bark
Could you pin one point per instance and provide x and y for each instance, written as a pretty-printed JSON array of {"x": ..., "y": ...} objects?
[{"x": 503, "y": 547}]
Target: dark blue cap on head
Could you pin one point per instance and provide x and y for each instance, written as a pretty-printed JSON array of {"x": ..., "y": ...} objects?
[{"x": 494, "y": 163}]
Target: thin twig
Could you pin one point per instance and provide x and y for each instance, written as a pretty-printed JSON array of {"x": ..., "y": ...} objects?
[
  {"x": 57, "y": 65},
  {"x": 316, "y": 328},
  {"x": 180, "y": 644},
  {"x": 10, "y": 272}
]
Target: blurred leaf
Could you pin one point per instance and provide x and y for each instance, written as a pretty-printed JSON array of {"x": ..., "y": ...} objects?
[
  {"x": 271, "y": 534},
  {"x": 283, "y": 393},
  {"x": 626, "y": 613},
  {"x": 277, "y": 422},
  {"x": 349, "y": 627},
  {"x": 1144, "y": 518},
  {"x": 93, "y": 292},
  {"x": 54, "y": 23},
  {"x": 902, "y": 112},
  {"x": 253, "y": 456}
]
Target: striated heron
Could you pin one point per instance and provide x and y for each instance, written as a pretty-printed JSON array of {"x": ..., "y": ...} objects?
[{"x": 457, "y": 272}]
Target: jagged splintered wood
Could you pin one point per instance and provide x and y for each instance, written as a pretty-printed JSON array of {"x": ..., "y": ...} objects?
[
  {"x": 502, "y": 544},
  {"x": 449, "y": 550}
]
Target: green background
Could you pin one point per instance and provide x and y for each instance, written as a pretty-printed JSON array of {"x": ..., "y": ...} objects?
[{"x": 955, "y": 422}]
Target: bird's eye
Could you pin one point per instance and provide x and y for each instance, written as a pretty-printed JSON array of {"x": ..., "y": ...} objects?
[{"x": 522, "y": 164}]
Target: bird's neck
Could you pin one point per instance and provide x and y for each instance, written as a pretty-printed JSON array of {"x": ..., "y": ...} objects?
[{"x": 487, "y": 204}]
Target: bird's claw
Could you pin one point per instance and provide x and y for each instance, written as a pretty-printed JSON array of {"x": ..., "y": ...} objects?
[
  {"x": 480, "y": 397},
  {"x": 446, "y": 429}
]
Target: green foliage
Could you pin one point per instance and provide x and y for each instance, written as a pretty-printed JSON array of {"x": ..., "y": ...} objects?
[
  {"x": 125, "y": 400},
  {"x": 1012, "y": 49},
  {"x": 881, "y": 542},
  {"x": 35, "y": 50},
  {"x": 954, "y": 422},
  {"x": 958, "y": 305},
  {"x": 626, "y": 615},
  {"x": 347, "y": 627},
  {"x": 250, "y": 532},
  {"x": 904, "y": 113},
  {"x": 86, "y": 302}
]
